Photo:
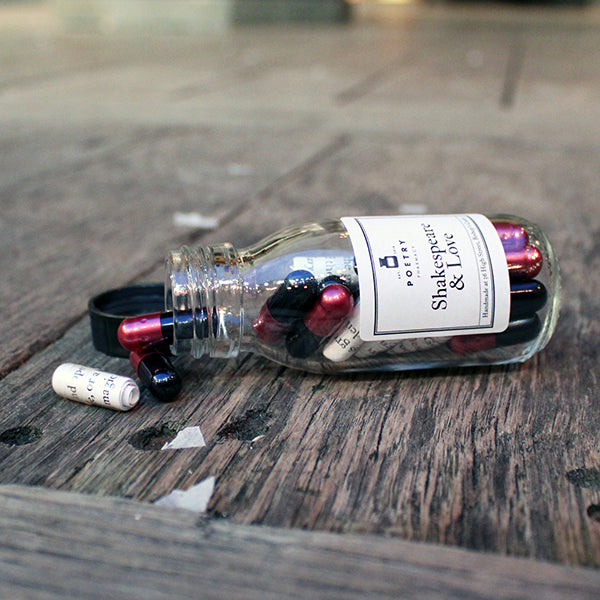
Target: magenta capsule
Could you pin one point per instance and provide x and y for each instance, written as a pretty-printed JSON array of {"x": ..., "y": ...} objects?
[
  {"x": 512, "y": 235},
  {"x": 136, "y": 333},
  {"x": 334, "y": 305},
  {"x": 268, "y": 328},
  {"x": 525, "y": 263}
]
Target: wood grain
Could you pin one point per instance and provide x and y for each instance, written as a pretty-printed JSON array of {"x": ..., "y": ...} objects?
[
  {"x": 478, "y": 458},
  {"x": 264, "y": 131},
  {"x": 52, "y": 548},
  {"x": 95, "y": 222}
]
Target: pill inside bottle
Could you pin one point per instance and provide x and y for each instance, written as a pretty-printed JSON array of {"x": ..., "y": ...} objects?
[{"x": 386, "y": 293}]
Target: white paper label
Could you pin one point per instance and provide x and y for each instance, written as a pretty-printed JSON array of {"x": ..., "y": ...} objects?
[{"x": 429, "y": 275}]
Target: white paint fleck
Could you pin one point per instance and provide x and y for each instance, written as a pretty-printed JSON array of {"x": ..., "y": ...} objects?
[
  {"x": 239, "y": 170},
  {"x": 195, "y": 220},
  {"x": 474, "y": 58},
  {"x": 195, "y": 499},
  {"x": 413, "y": 209},
  {"x": 189, "y": 437}
]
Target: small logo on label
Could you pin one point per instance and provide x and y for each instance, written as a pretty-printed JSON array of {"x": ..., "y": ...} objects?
[{"x": 389, "y": 262}]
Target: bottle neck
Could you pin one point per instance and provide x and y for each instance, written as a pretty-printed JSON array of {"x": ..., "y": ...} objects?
[{"x": 204, "y": 289}]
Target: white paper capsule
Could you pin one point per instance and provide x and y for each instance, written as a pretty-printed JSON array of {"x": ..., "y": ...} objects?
[
  {"x": 91, "y": 386},
  {"x": 406, "y": 346},
  {"x": 346, "y": 341},
  {"x": 374, "y": 348}
]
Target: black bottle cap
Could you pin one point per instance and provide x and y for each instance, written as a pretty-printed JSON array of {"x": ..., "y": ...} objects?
[{"x": 109, "y": 308}]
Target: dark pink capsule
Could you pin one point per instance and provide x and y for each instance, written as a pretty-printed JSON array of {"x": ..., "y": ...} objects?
[
  {"x": 468, "y": 344},
  {"x": 267, "y": 328},
  {"x": 512, "y": 235},
  {"x": 525, "y": 263},
  {"x": 334, "y": 304},
  {"x": 154, "y": 329},
  {"x": 520, "y": 331}
]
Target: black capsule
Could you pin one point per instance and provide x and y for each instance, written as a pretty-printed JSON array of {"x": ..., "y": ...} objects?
[
  {"x": 520, "y": 332},
  {"x": 293, "y": 297},
  {"x": 156, "y": 371},
  {"x": 334, "y": 304},
  {"x": 526, "y": 298},
  {"x": 301, "y": 342},
  {"x": 288, "y": 305}
]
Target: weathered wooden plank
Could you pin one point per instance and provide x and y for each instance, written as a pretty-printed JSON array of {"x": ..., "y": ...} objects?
[
  {"x": 357, "y": 85},
  {"x": 442, "y": 76},
  {"x": 499, "y": 459},
  {"x": 453, "y": 61},
  {"x": 35, "y": 58},
  {"x": 78, "y": 75},
  {"x": 82, "y": 226},
  {"x": 64, "y": 545},
  {"x": 562, "y": 55},
  {"x": 498, "y": 480},
  {"x": 560, "y": 76},
  {"x": 495, "y": 459},
  {"x": 25, "y": 155}
]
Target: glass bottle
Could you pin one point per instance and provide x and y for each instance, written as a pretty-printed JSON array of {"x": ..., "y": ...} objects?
[{"x": 367, "y": 293}]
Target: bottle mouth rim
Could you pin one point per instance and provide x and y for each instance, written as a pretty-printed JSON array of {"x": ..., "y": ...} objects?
[{"x": 205, "y": 293}]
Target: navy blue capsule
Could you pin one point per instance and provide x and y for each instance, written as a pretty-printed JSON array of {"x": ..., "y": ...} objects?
[
  {"x": 194, "y": 323},
  {"x": 301, "y": 342},
  {"x": 293, "y": 297},
  {"x": 526, "y": 298},
  {"x": 156, "y": 371},
  {"x": 352, "y": 285},
  {"x": 288, "y": 305}
]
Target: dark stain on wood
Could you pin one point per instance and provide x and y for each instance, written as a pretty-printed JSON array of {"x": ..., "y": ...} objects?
[
  {"x": 585, "y": 478},
  {"x": 153, "y": 438},
  {"x": 593, "y": 512},
  {"x": 252, "y": 424},
  {"x": 19, "y": 436}
]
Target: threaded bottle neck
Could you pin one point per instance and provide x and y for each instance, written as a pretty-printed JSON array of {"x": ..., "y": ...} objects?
[{"x": 205, "y": 292}]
